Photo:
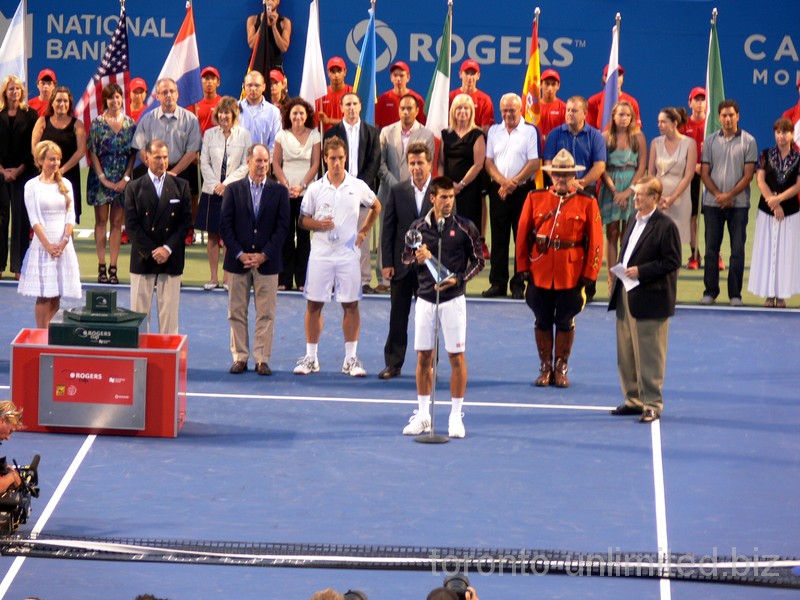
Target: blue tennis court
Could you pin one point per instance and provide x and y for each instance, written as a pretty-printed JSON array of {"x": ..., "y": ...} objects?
[{"x": 321, "y": 460}]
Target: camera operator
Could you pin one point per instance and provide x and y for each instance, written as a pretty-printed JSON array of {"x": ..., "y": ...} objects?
[{"x": 9, "y": 422}]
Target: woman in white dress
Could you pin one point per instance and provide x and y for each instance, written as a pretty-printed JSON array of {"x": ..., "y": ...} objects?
[
  {"x": 50, "y": 269},
  {"x": 775, "y": 267},
  {"x": 673, "y": 157},
  {"x": 295, "y": 165}
]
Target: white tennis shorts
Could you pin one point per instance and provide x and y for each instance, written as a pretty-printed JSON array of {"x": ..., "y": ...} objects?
[
  {"x": 334, "y": 278},
  {"x": 453, "y": 324}
]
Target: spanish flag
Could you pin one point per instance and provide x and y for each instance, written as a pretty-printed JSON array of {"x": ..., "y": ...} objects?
[{"x": 530, "y": 89}]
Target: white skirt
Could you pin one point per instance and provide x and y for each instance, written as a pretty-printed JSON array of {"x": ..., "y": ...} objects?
[
  {"x": 43, "y": 276},
  {"x": 775, "y": 266}
]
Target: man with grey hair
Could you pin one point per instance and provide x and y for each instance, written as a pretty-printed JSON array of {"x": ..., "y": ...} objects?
[
  {"x": 261, "y": 118},
  {"x": 180, "y": 131},
  {"x": 253, "y": 224},
  {"x": 512, "y": 159}
]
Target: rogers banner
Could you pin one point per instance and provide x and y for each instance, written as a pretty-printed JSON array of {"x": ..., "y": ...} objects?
[
  {"x": 663, "y": 44},
  {"x": 106, "y": 381}
]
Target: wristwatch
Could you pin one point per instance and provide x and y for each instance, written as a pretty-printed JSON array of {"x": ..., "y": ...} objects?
[{"x": 127, "y": 178}]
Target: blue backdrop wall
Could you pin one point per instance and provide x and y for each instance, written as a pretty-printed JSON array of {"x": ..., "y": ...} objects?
[{"x": 663, "y": 44}]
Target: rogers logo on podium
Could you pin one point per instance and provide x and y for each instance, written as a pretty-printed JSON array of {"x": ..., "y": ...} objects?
[
  {"x": 85, "y": 376},
  {"x": 98, "y": 336}
]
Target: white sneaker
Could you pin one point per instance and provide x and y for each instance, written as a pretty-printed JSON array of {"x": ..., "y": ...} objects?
[
  {"x": 418, "y": 423},
  {"x": 354, "y": 368},
  {"x": 306, "y": 366},
  {"x": 456, "y": 426}
]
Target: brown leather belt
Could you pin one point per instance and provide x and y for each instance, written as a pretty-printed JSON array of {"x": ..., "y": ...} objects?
[{"x": 564, "y": 244}]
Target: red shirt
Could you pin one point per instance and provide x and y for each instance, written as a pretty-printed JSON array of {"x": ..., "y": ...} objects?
[
  {"x": 387, "y": 108},
  {"x": 135, "y": 114},
  {"x": 331, "y": 105},
  {"x": 203, "y": 110},
  {"x": 39, "y": 106},
  {"x": 594, "y": 116},
  {"x": 484, "y": 107},
  {"x": 552, "y": 115},
  {"x": 697, "y": 131},
  {"x": 793, "y": 114}
]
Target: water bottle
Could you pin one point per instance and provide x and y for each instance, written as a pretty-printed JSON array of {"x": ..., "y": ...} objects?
[{"x": 326, "y": 211}]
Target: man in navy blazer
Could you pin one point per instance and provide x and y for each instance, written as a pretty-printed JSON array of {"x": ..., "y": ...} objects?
[
  {"x": 651, "y": 254},
  {"x": 365, "y": 167},
  {"x": 407, "y": 202},
  {"x": 253, "y": 224},
  {"x": 158, "y": 215}
]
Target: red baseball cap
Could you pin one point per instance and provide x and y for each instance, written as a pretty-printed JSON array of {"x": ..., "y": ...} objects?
[
  {"x": 619, "y": 68},
  {"x": 551, "y": 74},
  {"x": 698, "y": 91},
  {"x": 470, "y": 64},
  {"x": 399, "y": 64},
  {"x": 211, "y": 70},
  {"x": 137, "y": 83},
  {"x": 276, "y": 75},
  {"x": 337, "y": 61},
  {"x": 47, "y": 74}
]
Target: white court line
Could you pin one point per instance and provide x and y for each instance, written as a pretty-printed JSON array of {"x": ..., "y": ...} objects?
[
  {"x": 661, "y": 507},
  {"x": 394, "y": 401},
  {"x": 51, "y": 506}
]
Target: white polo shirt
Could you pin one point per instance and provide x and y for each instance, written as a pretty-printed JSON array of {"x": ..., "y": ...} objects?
[
  {"x": 512, "y": 150},
  {"x": 346, "y": 200}
]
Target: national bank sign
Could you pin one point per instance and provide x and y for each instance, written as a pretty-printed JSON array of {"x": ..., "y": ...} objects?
[{"x": 776, "y": 52}]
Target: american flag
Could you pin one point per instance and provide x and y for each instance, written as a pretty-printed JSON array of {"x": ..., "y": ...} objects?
[{"x": 113, "y": 68}]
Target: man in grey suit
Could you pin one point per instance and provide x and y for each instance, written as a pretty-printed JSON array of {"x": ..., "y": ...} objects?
[
  {"x": 395, "y": 139},
  {"x": 158, "y": 215},
  {"x": 651, "y": 255},
  {"x": 407, "y": 202}
]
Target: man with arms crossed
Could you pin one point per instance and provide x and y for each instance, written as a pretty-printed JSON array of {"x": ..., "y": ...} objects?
[
  {"x": 330, "y": 209},
  {"x": 461, "y": 254}
]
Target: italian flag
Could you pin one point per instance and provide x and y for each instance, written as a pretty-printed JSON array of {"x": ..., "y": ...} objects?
[
  {"x": 437, "y": 104},
  {"x": 715, "y": 88}
]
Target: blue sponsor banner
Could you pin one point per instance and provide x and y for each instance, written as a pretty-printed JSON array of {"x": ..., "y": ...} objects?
[{"x": 663, "y": 44}]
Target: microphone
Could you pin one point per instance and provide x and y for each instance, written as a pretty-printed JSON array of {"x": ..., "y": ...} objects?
[{"x": 440, "y": 224}]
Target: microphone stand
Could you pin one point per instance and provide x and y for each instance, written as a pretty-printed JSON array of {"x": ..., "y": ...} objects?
[{"x": 431, "y": 437}]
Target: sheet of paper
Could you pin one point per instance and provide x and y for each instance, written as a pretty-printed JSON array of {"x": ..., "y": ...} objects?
[{"x": 619, "y": 272}]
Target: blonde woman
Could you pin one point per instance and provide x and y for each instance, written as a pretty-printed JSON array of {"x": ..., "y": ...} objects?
[
  {"x": 463, "y": 152},
  {"x": 50, "y": 269},
  {"x": 10, "y": 421}
]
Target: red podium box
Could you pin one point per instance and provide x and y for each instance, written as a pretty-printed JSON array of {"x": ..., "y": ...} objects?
[{"x": 165, "y": 361}]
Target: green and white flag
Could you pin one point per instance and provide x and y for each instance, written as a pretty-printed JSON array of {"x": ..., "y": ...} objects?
[
  {"x": 437, "y": 104},
  {"x": 714, "y": 85}
]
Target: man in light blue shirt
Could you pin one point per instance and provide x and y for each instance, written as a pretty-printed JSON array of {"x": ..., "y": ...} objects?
[{"x": 259, "y": 117}]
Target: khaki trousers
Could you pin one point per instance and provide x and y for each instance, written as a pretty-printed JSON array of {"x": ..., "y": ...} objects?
[
  {"x": 168, "y": 293},
  {"x": 266, "y": 296},
  {"x": 641, "y": 356}
]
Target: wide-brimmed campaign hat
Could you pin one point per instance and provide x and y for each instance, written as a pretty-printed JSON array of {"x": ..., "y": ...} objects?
[{"x": 563, "y": 162}]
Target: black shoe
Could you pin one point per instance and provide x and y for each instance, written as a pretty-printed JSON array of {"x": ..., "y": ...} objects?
[
  {"x": 389, "y": 373},
  {"x": 518, "y": 293},
  {"x": 649, "y": 415},
  {"x": 263, "y": 369},
  {"x": 365, "y": 289},
  {"x": 494, "y": 291},
  {"x": 624, "y": 410}
]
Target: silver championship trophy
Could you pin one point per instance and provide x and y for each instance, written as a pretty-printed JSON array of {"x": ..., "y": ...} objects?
[{"x": 437, "y": 269}]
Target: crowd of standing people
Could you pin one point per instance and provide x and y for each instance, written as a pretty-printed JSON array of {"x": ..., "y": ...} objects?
[{"x": 291, "y": 194}]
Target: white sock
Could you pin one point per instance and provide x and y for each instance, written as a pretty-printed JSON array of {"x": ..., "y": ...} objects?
[
  {"x": 311, "y": 350},
  {"x": 350, "y": 350},
  {"x": 456, "y": 408},
  {"x": 424, "y": 405}
]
